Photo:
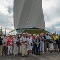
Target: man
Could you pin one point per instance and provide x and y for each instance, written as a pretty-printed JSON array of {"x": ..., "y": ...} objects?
[
  {"x": 37, "y": 41},
  {"x": 23, "y": 41},
  {"x": 4, "y": 45},
  {"x": 18, "y": 43},
  {"x": 55, "y": 38},
  {"x": 47, "y": 41},
  {"x": 1, "y": 46}
]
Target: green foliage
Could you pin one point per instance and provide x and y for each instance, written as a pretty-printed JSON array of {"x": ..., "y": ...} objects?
[{"x": 35, "y": 31}]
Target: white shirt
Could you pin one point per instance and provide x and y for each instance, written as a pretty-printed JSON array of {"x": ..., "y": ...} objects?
[{"x": 22, "y": 39}]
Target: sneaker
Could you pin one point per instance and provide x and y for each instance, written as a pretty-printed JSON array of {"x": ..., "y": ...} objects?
[{"x": 42, "y": 52}]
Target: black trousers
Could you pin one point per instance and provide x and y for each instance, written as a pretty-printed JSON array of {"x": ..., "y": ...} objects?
[{"x": 34, "y": 49}]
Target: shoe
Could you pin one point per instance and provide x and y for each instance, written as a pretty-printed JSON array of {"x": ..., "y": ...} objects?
[
  {"x": 38, "y": 54},
  {"x": 23, "y": 56},
  {"x": 42, "y": 52},
  {"x": 1, "y": 55},
  {"x": 26, "y": 55}
]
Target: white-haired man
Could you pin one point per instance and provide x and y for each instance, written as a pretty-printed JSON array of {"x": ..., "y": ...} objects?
[{"x": 23, "y": 41}]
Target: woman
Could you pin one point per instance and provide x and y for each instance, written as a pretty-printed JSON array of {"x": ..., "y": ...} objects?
[
  {"x": 30, "y": 44},
  {"x": 42, "y": 42},
  {"x": 10, "y": 45},
  {"x": 15, "y": 49}
]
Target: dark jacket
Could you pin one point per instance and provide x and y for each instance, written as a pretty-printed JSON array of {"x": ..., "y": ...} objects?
[
  {"x": 37, "y": 41},
  {"x": 0, "y": 41}
]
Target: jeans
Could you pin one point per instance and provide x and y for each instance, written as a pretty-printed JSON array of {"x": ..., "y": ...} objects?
[
  {"x": 10, "y": 49},
  {"x": 38, "y": 50}
]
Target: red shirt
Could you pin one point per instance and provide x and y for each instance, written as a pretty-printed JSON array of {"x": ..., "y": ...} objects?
[{"x": 10, "y": 42}]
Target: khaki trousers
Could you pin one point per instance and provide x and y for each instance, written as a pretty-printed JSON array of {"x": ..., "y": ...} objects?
[
  {"x": 20, "y": 49},
  {"x": 4, "y": 50},
  {"x": 24, "y": 49},
  {"x": 0, "y": 50}
]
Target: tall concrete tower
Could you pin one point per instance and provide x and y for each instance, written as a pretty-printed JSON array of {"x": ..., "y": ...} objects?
[{"x": 28, "y": 14}]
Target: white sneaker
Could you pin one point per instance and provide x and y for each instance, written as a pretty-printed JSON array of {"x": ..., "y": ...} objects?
[{"x": 42, "y": 52}]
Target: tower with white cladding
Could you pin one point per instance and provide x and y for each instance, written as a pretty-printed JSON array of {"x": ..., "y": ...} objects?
[{"x": 28, "y": 14}]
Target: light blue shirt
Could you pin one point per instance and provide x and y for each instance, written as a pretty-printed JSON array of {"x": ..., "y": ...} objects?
[{"x": 48, "y": 37}]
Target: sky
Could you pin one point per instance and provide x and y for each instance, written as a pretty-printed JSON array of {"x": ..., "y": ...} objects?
[{"x": 51, "y": 10}]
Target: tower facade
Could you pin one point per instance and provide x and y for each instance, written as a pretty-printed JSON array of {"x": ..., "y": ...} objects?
[{"x": 28, "y": 14}]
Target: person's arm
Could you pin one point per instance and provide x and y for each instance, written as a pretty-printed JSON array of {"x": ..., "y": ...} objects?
[{"x": 7, "y": 41}]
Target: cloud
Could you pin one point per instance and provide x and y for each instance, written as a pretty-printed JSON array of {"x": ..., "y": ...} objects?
[
  {"x": 10, "y": 9},
  {"x": 51, "y": 9},
  {"x": 5, "y": 20},
  {"x": 6, "y": 14}
]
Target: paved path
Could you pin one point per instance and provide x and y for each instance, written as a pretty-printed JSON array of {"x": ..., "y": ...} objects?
[{"x": 46, "y": 56}]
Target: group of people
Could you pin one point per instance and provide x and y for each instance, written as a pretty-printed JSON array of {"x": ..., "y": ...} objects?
[{"x": 27, "y": 44}]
